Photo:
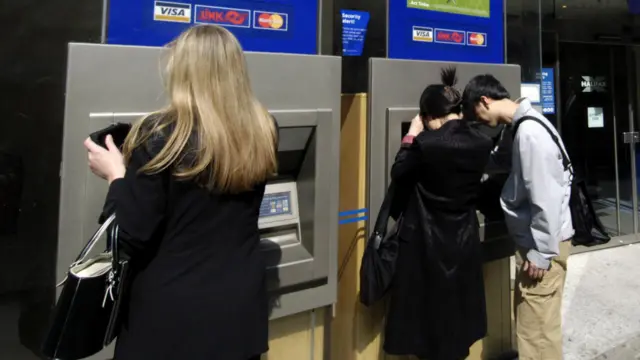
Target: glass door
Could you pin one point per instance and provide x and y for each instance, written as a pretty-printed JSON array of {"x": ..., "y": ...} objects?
[
  {"x": 598, "y": 94},
  {"x": 632, "y": 139}
]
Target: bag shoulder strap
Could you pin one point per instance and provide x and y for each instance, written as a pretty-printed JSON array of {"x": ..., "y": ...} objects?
[
  {"x": 380, "y": 227},
  {"x": 104, "y": 227},
  {"x": 565, "y": 158}
]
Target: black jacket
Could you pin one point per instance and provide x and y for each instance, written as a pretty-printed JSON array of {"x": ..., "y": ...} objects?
[
  {"x": 437, "y": 308},
  {"x": 199, "y": 291}
]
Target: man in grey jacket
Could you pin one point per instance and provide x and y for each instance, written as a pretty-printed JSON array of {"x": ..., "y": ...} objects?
[{"x": 535, "y": 201}]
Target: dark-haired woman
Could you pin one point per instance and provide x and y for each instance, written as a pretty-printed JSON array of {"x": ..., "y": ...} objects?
[{"x": 437, "y": 305}]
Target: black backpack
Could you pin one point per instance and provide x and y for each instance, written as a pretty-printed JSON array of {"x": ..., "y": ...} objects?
[{"x": 588, "y": 228}]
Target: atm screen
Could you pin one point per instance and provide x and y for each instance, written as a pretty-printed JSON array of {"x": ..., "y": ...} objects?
[{"x": 276, "y": 204}]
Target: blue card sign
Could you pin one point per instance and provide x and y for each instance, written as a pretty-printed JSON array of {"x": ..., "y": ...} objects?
[
  {"x": 446, "y": 30},
  {"x": 548, "y": 91},
  {"x": 354, "y": 31},
  {"x": 284, "y": 26}
]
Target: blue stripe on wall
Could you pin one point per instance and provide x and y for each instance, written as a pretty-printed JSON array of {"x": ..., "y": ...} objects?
[
  {"x": 352, "y": 212},
  {"x": 352, "y": 220}
]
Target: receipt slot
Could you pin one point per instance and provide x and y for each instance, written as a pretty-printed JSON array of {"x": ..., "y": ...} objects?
[
  {"x": 298, "y": 216},
  {"x": 395, "y": 87}
]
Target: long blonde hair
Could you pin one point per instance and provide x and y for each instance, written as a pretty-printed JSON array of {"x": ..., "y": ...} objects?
[{"x": 211, "y": 99}]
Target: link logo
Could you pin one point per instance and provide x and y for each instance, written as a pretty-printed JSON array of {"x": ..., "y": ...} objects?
[
  {"x": 223, "y": 16},
  {"x": 265, "y": 20},
  {"x": 172, "y": 12},
  {"x": 455, "y": 37},
  {"x": 422, "y": 34}
]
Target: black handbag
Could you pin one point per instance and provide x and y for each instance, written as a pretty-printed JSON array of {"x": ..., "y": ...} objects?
[
  {"x": 589, "y": 231},
  {"x": 379, "y": 258},
  {"x": 87, "y": 317}
]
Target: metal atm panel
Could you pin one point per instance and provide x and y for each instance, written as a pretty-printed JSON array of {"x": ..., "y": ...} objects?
[
  {"x": 108, "y": 84},
  {"x": 398, "y": 119},
  {"x": 394, "y": 93},
  {"x": 283, "y": 247}
]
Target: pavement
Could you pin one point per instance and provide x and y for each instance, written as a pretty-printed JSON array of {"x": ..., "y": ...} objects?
[
  {"x": 601, "y": 305},
  {"x": 601, "y": 309}
]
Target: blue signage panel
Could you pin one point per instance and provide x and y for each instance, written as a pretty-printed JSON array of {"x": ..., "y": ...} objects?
[
  {"x": 447, "y": 30},
  {"x": 548, "y": 91},
  {"x": 354, "y": 31},
  {"x": 634, "y": 6},
  {"x": 286, "y": 26}
]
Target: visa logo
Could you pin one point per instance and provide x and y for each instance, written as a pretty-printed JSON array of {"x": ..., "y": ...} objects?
[
  {"x": 172, "y": 12},
  {"x": 455, "y": 37},
  {"x": 422, "y": 34},
  {"x": 223, "y": 16}
]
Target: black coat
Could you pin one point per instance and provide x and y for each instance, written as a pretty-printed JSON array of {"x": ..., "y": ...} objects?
[
  {"x": 199, "y": 291},
  {"x": 437, "y": 305}
]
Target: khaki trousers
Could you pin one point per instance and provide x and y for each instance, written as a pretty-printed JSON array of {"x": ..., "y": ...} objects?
[{"x": 538, "y": 308}]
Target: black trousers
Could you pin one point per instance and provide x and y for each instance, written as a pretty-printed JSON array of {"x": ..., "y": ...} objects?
[{"x": 257, "y": 357}]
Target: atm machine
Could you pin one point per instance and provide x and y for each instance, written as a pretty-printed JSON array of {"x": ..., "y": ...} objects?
[
  {"x": 299, "y": 214},
  {"x": 395, "y": 87}
]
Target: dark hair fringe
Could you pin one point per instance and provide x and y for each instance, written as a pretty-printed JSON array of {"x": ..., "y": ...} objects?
[{"x": 448, "y": 76}]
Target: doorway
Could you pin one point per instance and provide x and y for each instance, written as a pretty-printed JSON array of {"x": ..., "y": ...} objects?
[{"x": 599, "y": 93}]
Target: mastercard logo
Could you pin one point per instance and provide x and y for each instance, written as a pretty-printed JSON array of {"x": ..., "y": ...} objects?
[
  {"x": 477, "y": 39},
  {"x": 270, "y": 21},
  {"x": 274, "y": 21}
]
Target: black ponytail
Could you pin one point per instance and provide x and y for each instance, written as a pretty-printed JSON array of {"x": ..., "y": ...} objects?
[
  {"x": 441, "y": 100},
  {"x": 449, "y": 76}
]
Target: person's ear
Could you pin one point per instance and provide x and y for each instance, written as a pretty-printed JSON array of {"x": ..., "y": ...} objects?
[{"x": 485, "y": 102}]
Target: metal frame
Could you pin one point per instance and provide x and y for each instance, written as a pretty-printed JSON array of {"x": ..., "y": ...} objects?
[
  {"x": 394, "y": 89},
  {"x": 321, "y": 28},
  {"x": 630, "y": 137},
  {"x": 615, "y": 141},
  {"x": 557, "y": 85},
  {"x": 105, "y": 20},
  {"x": 634, "y": 100},
  {"x": 305, "y": 90},
  {"x": 504, "y": 25}
]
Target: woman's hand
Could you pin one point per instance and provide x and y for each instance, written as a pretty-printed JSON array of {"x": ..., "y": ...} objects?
[
  {"x": 417, "y": 126},
  {"x": 106, "y": 163}
]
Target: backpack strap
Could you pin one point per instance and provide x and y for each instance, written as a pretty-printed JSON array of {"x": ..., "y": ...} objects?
[{"x": 566, "y": 163}]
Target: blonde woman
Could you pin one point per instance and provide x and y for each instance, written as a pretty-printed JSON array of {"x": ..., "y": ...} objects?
[{"x": 186, "y": 192}]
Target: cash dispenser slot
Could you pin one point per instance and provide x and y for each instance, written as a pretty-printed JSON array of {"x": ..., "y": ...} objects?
[{"x": 287, "y": 226}]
